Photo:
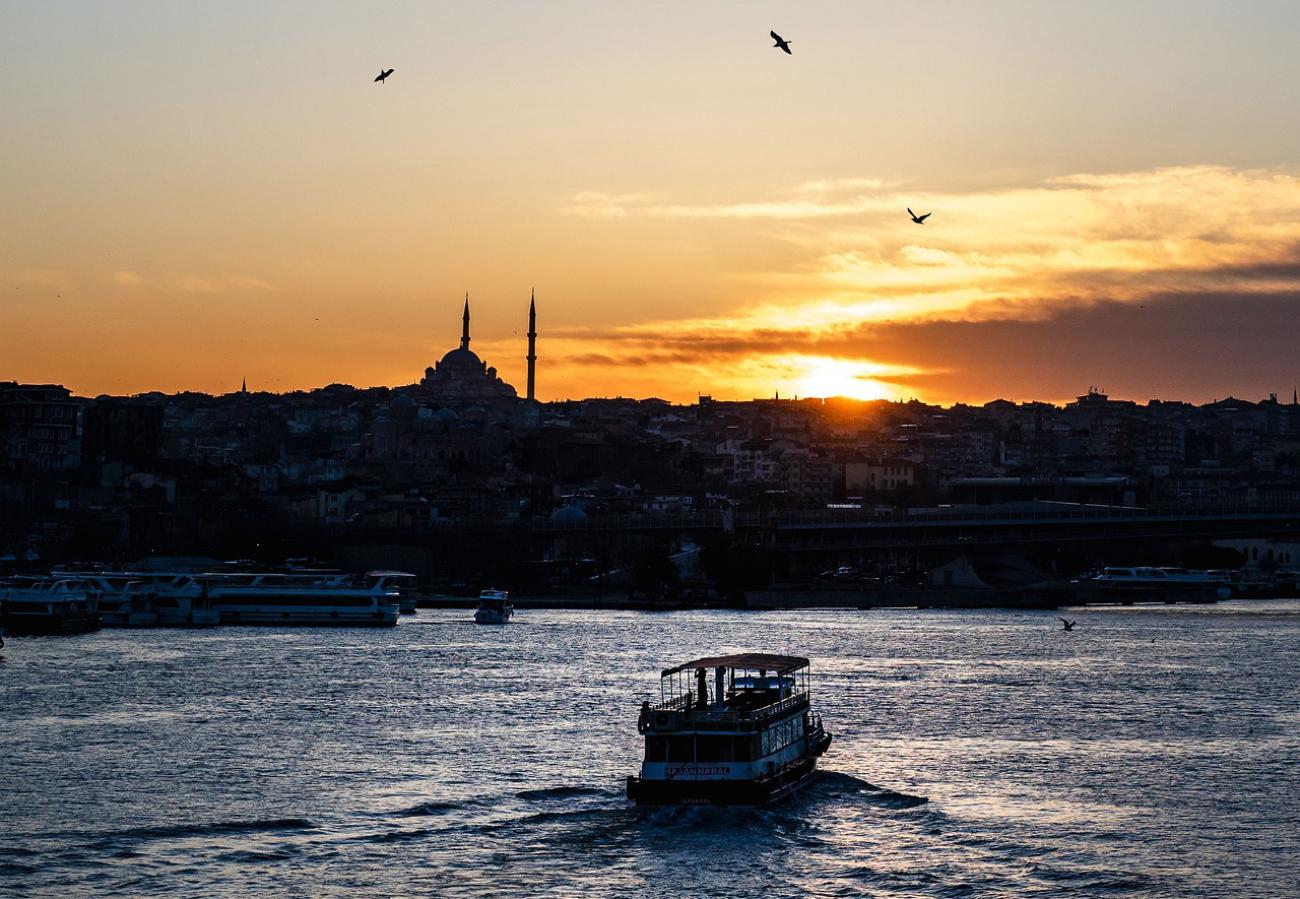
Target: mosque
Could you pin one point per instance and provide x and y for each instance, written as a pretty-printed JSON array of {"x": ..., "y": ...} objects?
[{"x": 462, "y": 378}]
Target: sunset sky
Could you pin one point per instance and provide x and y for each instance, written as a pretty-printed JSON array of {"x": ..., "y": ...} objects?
[{"x": 191, "y": 194}]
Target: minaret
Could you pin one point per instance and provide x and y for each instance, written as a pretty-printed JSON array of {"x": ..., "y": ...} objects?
[
  {"x": 464, "y": 331},
  {"x": 532, "y": 344},
  {"x": 243, "y": 388}
]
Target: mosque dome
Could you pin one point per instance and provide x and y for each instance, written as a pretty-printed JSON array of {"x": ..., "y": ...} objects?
[
  {"x": 568, "y": 515},
  {"x": 445, "y": 415},
  {"x": 461, "y": 359},
  {"x": 462, "y": 378}
]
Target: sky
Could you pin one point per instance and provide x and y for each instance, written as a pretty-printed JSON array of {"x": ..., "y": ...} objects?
[{"x": 193, "y": 194}]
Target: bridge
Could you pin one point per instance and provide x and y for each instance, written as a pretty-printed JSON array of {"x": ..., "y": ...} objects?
[{"x": 1029, "y": 521}]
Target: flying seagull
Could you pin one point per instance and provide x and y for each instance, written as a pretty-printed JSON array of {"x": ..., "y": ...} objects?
[
  {"x": 1069, "y": 625},
  {"x": 383, "y": 73},
  {"x": 781, "y": 42},
  {"x": 919, "y": 219}
]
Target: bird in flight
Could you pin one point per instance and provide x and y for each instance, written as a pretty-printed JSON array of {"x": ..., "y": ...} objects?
[
  {"x": 1069, "y": 625},
  {"x": 920, "y": 220},
  {"x": 781, "y": 42},
  {"x": 383, "y": 74}
]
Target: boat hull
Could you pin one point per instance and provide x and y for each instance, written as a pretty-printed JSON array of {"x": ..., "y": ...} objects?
[
  {"x": 188, "y": 617},
  {"x": 277, "y": 618},
  {"x": 763, "y": 791},
  {"x": 44, "y": 626},
  {"x": 128, "y": 619}
]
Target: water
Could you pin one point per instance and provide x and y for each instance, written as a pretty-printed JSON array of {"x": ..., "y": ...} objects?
[{"x": 1152, "y": 752}]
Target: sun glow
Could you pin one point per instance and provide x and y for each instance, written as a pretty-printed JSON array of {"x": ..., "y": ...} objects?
[{"x": 824, "y": 376}]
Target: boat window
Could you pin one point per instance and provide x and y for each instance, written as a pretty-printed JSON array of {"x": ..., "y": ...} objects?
[
  {"x": 681, "y": 749},
  {"x": 742, "y": 749},
  {"x": 713, "y": 749},
  {"x": 656, "y": 749}
]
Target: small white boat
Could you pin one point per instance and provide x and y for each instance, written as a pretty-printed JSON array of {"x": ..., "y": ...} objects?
[{"x": 493, "y": 607}]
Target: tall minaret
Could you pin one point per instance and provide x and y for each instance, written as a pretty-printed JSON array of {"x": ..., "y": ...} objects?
[
  {"x": 464, "y": 331},
  {"x": 532, "y": 344}
]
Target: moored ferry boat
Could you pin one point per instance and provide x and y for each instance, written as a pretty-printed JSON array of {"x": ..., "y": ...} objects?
[
  {"x": 729, "y": 730},
  {"x": 47, "y": 606},
  {"x": 1165, "y": 584},
  {"x": 143, "y": 599},
  {"x": 304, "y": 599},
  {"x": 123, "y": 600},
  {"x": 402, "y": 583},
  {"x": 181, "y": 601},
  {"x": 493, "y": 607}
]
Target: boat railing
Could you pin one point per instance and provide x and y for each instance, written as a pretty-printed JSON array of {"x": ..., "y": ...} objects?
[
  {"x": 676, "y": 704},
  {"x": 711, "y": 716}
]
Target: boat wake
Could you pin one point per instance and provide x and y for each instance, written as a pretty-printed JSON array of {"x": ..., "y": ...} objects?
[
  {"x": 560, "y": 793},
  {"x": 840, "y": 784},
  {"x": 117, "y": 838},
  {"x": 426, "y": 809}
]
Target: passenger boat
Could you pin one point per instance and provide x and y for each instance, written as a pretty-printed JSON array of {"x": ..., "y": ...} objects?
[
  {"x": 729, "y": 730},
  {"x": 181, "y": 601},
  {"x": 301, "y": 598},
  {"x": 47, "y": 606},
  {"x": 1165, "y": 584},
  {"x": 143, "y": 599},
  {"x": 403, "y": 583},
  {"x": 493, "y": 607},
  {"x": 123, "y": 600}
]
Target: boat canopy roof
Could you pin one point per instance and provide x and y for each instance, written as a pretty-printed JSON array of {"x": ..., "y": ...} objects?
[{"x": 760, "y": 660}]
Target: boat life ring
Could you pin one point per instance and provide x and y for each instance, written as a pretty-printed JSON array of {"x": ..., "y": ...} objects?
[{"x": 662, "y": 719}]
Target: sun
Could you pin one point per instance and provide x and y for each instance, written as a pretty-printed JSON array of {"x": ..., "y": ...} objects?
[{"x": 825, "y": 376}]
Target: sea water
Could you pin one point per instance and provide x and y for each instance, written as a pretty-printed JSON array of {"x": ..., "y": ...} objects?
[{"x": 1153, "y": 751}]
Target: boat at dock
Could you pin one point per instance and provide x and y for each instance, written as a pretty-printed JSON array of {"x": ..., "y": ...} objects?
[
  {"x": 1145, "y": 584},
  {"x": 146, "y": 599},
  {"x": 123, "y": 599},
  {"x": 30, "y": 606},
  {"x": 403, "y": 583},
  {"x": 729, "y": 730},
  {"x": 493, "y": 607},
  {"x": 301, "y": 598}
]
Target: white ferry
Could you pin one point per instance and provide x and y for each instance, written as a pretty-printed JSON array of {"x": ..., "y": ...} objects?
[
  {"x": 181, "y": 601},
  {"x": 298, "y": 598},
  {"x": 124, "y": 600},
  {"x": 1179, "y": 583},
  {"x": 403, "y": 583},
  {"x": 47, "y": 606},
  {"x": 729, "y": 730},
  {"x": 143, "y": 599},
  {"x": 493, "y": 607}
]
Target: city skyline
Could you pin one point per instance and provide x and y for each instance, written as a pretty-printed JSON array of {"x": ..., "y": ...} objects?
[{"x": 1114, "y": 200}]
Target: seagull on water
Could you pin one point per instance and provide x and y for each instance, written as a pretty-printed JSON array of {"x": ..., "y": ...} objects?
[
  {"x": 1069, "y": 625},
  {"x": 383, "y": 74},
  {"x": 781, "y": 42},
  {"x": 919, "y": 219}
]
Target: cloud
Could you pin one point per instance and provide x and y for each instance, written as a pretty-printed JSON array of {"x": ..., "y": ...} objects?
[
  {"x": 600, "y": 205},
  {"x": 196, "y": 284},
  {"x": 1175, "y": 276},
  {"x": 223, "y": 284}
]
